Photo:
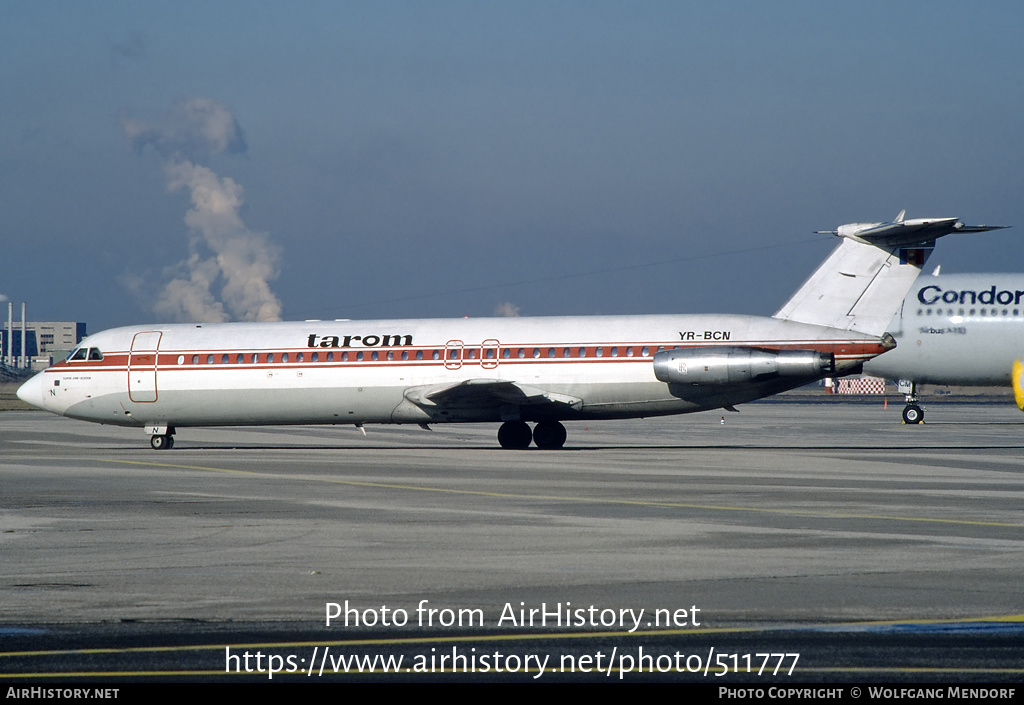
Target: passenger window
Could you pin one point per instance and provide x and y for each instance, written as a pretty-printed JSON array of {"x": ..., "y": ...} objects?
[{"x": 284, "y": 357}]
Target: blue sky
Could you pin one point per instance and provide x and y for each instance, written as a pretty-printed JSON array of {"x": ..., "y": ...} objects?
[{"x": 422, "y": 159}]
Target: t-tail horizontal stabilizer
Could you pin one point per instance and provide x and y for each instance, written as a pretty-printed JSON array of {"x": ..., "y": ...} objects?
[{"x": 863, "y": 282}]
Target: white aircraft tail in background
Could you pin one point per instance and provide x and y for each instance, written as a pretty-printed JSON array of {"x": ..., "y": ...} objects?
[{"x": 862, "y": 283}]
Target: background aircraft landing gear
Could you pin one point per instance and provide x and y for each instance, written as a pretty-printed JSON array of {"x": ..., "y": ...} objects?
[
  {"x": 165, "y": 442},
  {"x": 549, "y": 435},
  {"x": 515, "y": 435},
  {"x": 912, "y": 414}
]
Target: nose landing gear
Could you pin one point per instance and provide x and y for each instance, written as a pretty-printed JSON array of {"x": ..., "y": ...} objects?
[
  {"x": 161, "y": 437},
  {"x": 912, "y": 413}
]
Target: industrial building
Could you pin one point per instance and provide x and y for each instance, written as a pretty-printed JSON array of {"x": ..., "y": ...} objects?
[{"x": 36, "y": 344}]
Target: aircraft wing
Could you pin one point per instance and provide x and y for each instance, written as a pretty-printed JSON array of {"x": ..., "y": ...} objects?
[{"x": 473, "y": 394}]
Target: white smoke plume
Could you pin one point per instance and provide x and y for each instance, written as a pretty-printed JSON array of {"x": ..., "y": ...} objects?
[
  {"x": 507, "y": 310},
  {"x": 229, "y": 267},
  {"x": 195, "y": 129}
]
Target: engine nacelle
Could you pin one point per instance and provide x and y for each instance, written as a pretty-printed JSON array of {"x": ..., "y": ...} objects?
[{"x": 735, "y": 365}]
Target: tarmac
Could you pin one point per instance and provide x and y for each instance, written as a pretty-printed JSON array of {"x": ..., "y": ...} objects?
[{"x": 830, "y": 530}]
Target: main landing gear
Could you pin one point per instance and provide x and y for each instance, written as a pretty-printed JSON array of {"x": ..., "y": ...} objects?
[
  {"x": 516, "y": 435},
  {"x": 161, "y": 437}
]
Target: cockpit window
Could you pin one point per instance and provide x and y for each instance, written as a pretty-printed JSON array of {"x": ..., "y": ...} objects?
[{"x": 86, "y": 354}]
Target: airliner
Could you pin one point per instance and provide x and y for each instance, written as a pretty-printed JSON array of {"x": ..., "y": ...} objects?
[
  {"x": 957, "y": 329},
  {"x": 512, "y": 371}
]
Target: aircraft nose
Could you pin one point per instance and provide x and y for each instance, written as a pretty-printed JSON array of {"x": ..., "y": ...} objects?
[{"x": 32, "y": 391}]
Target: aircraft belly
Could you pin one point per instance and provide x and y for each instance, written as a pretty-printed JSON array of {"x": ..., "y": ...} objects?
[{"x": 276, "y": 406}]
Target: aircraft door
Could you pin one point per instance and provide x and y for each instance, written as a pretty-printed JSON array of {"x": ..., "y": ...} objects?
[{"x": 142, "y": 366}]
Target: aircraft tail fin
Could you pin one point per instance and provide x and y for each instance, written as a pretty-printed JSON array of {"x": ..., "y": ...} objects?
[{"x": 861, "y": 285}]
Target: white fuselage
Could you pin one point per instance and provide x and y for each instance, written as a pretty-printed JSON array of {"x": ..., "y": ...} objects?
[
  {"x": 965, "y": 329},
  {"x": 355, "y": 372}
]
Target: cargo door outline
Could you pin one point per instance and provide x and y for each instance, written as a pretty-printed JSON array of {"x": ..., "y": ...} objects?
[
  {"x": 453, "y": 354},
  {"x": 142, "y": 364},
  {"x": 489, "y": 347}
]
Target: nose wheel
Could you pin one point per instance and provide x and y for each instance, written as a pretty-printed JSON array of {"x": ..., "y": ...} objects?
[
  {"x": 161, "y": 442},
  {"x": 913, "y": 414},
  {"x": 161, "y": 437}
]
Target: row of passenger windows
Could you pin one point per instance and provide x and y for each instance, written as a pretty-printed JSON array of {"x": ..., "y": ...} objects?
[
  {"x": 449, "y": 354},
  {"x": 992, "y": 313}
]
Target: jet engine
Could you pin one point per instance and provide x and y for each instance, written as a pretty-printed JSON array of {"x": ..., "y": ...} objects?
[{"x": 736, "y": 365}]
